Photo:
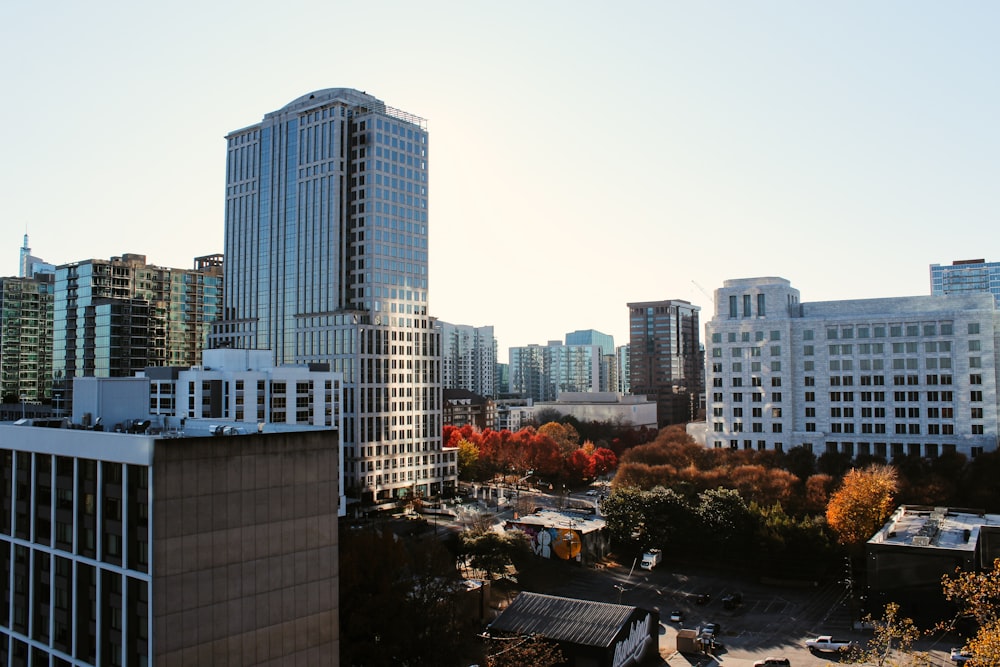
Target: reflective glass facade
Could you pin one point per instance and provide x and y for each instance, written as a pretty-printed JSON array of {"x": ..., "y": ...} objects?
[
  {"x": 973, "y": 275},
  {"x": 326, "y": 262},
  {"x": 113, "y": 318},
  {"x": 26, "y": 339}
]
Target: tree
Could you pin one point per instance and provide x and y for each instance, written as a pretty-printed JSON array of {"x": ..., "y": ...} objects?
[
  {"x": 892, "y": 642},
  {"x": 493, "y": 552},
  {"x": 564, "y": 435},
  {"x": 520, "y": 651},
  {"x": 817, "y": 493},
  {"x": 577, "y": 466},
  {"x": 602, "y": 462},
  {"x": 624, "y": 513},
  {"x": 725, "y": 521},
  {"x": 468, "y": 458},
  {"x": 977, "y": 595},
  {"x": 418, "y": 581},
  {"x": 800, "y": 462},
  {"x": 862, "y": 504}
]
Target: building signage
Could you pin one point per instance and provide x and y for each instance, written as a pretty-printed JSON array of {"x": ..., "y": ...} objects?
[{"x": 631, "y": 648}]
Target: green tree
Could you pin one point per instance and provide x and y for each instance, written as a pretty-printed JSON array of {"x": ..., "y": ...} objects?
[
  {"x": 492, "y": 552},
  {"x": 725, "y": 521},
  {"x": 668, "y": 517},
  {"x": 624, "y": 514}
]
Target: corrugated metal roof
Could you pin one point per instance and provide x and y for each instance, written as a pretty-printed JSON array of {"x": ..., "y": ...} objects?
[{"x": 563, "y": 619}]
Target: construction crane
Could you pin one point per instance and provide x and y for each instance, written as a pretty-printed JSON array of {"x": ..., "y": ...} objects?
[{"x": 703, "y": 291}]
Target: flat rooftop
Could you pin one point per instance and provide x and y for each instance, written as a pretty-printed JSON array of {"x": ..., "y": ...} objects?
[
  {"x": 585, "y": 523},
  {"x": 949, "y": 528}
]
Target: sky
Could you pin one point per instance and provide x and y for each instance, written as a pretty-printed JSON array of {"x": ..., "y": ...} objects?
[{"x": 582, "y": 155}]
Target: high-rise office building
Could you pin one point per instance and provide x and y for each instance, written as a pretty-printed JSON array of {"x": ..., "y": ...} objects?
[
  {"x": 884, "y": 377},
  {"x": 113, "y": 318},
  {"x": 665, "y": 359},
  {"x": 592, "y": 337},
  {"x": 26, "y": 339},
  {"x": 469, "y": 358},
  {"x": 966, "y": 275},
  {"x": 624, "y": 370},
  {"x": 542, "y": 372},
  {"x": 326, "y": 262}
]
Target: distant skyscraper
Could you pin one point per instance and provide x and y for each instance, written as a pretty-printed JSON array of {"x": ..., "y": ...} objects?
[
  {"x": 664, "y": 356},
  {"x": 469, "y": 358},
  {"x": 967, "y": 275},
  {"x": 326, "y": 259},
  {"x": 592, "y": 337},
  {"x": 29, "y": 265},
  {"x": 608, "y": 380},
  {"x": 26, "y": 338},
  {"x": 624, "y": 372},
  {"x": 113, "y": 318},
  {"x": 542, "y": 372}
]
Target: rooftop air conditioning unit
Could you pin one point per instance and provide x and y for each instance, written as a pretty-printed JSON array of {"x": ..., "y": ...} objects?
[{"x": 921, "y": 541}]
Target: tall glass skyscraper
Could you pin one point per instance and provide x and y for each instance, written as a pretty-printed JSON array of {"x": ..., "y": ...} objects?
[
  {"x": 326, "y": 257},
  {"x": 665, "y": 357}
]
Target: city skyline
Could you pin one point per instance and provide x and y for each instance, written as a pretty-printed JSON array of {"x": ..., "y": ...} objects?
[{"x": 672, "y": 146}]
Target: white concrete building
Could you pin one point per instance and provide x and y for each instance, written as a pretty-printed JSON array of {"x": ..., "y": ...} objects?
[
  {"x": 468, "y": 358},
  {"x": 606, "y": 406},
  {"x": 887, "y": 377}
]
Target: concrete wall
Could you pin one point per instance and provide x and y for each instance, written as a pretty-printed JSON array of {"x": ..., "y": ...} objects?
[{"x": 245, "y": 564}]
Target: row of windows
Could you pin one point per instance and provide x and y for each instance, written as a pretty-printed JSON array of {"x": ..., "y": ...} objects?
[
  {"x": 747, "y": 302},
  {"x": 910, "y": 330},
  {"x": 744, "y": 336},
  {"x": 756, "y": 397},
  {"x": 751, "y": 351},
  {"x": 910, "y": 347}
]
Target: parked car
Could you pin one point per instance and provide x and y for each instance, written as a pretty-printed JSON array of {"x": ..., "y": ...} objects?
[
  {"x": 772, "y": 662},
  {"x": 732, "y": 601},
  {"x": 676, "y": 617},
  {"x": 711, "y": 630},
  {"x": 960, "y": 656},
  {"x": 828, "y": 643}
]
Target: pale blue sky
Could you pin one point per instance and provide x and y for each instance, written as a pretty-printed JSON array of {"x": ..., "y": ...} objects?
[{"x": 582, "y": 155}]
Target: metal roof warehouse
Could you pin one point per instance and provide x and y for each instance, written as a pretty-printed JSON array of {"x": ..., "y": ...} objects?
[{"x": 589, "y": 633}]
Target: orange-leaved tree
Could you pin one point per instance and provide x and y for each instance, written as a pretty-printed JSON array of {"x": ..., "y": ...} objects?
[
  {"x": 977, "y": 595},
  {"x": 862, "y": 503}
]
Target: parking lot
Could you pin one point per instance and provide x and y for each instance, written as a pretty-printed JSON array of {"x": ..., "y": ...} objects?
[{"x": 773, "y": 619}]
